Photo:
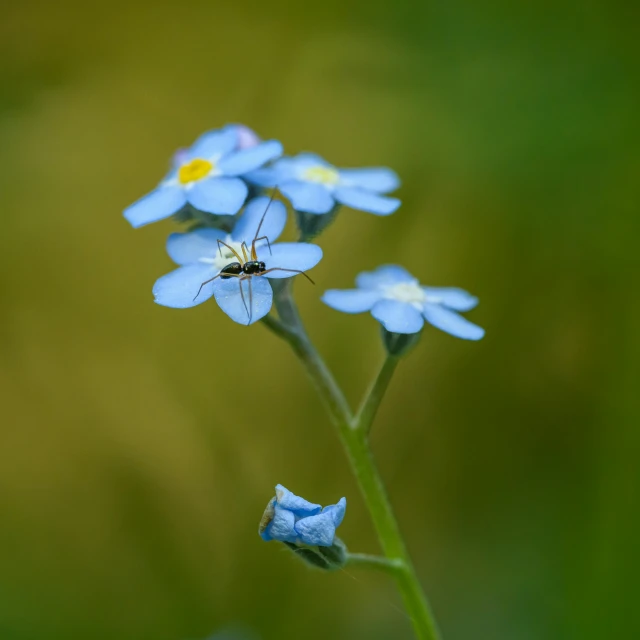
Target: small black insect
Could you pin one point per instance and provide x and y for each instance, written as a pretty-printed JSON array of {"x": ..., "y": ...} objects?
[
  {"x": 234, "y": 269},
  {"x": 248, "y": 265}
]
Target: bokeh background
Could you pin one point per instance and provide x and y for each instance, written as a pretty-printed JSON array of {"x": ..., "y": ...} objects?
[{"x": 135, "y": 459}]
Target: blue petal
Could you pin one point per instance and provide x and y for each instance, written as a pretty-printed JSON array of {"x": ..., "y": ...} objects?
[
  {"x": 285, "y": 170},
  {"x": 351, "y": 300},
  {"x": 316, "y": 530},
  {"x": 306, "y": 160},
  {"x": 158, "y": 204},
  {"x": 377, "y": 179},
  {"x": 258, "y": 297},
  {"x": 179, "y": 288},
  {"x": 451, "y": 322},
  {"x": 295, "y": 504},
  {"x": 397, "y": 317},
  {"x": 297, "y": 256},
  {"x": 282, "y": 526},
  {"x": 263, "y": 177},
  {"x": 250, "y": 159},
  {"x": 308, "y": 196},
  {"x": 213, "y": 144},
  {"x": 337, "y": 511},
  {"x": 224, "y": 196},
  {"x": 366, "y": 200},
  {"x": 451, "y": 297},
  {"x": 187, "y": 248},
  {"x": 272, "y": 226},
  {"x": 387, "y": 274}
]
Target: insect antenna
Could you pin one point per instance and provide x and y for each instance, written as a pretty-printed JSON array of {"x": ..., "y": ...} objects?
[{"x": 254, "y": 255}]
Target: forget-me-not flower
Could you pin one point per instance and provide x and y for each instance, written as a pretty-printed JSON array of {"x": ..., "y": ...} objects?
[
  {"x": 201, "y": 258},
  {"x": 397, "y": 300},
  {"x": 207, "y": 176},
  {"x": 289, "y": 518},
  {"x": 314, "y": 186}
]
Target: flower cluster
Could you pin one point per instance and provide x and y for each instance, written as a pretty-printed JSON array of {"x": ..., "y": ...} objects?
[
  {"x": 229, "y": 253},
  {"x": 289, "y": 518},
  {"x": 233, "y": 261},
  {"x": 214, "y": 176}
]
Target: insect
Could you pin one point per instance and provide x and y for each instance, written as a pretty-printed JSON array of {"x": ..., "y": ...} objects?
[{"x": 247, "y": 266}]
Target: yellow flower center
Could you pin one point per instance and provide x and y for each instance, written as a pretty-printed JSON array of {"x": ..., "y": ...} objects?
[
  {"x": 322, "y": 175},
  {"x": 197, "y": 169}
]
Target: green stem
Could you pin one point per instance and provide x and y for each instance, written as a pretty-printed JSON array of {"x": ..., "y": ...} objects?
[
  {"x": 378, "y": 563},
  {"x": 391, "y": 540},
  {"x": 369, "y": 407},
  {"x": 290, "y": 328},
  {"x": 353, "y": 435}
]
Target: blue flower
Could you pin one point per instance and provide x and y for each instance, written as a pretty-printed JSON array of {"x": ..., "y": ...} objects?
[
  {"x": 314, "y": 186},
  {"x": 201, "y": 259},
  {"x": 396, "y": 299},
  {"x": 289, "y": 518},
  {"x": 206, "y": 176}
]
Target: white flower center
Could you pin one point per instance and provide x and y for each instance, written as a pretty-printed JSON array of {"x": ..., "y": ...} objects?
[
  {"x": 409, "y": 292},
  {"x": 224, "y": 255}
]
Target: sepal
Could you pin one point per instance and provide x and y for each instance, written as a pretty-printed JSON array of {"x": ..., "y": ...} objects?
[
  {"x": 325, "y": 558},
  {"x": 399, "y": 344},
  {"x": 313, "y": 224}
]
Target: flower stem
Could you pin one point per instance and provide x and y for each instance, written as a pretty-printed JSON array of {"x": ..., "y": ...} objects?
[
  {"x": 353, "y": 434},
  {"x": 369, "y": 407},
  {"x": 378, "y": 563}
]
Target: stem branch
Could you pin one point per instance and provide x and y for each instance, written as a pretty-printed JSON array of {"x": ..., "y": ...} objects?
[
  {"x": 379, "y": 563},
  {"x": 369, "y": 407}
]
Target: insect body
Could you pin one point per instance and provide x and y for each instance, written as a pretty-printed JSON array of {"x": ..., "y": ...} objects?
[
  {"x": 236, "y": 269},
  {"x": 254, "y": 267},
  {"x": 233, "y": 269},
  {"x": 247, "y": 265}
]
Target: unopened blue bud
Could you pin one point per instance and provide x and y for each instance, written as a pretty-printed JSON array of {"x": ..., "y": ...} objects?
[{"x": 289, "y": 518}]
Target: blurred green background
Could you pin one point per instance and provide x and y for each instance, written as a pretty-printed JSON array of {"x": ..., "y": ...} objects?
[{"x": 134, "y": 463}]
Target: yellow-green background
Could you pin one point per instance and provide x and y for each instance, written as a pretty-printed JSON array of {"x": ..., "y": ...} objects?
[{"x": 140, "y": 444}]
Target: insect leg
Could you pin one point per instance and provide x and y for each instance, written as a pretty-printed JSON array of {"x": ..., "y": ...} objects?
[
  {"x": 211, "y": 280},
  {"x": 245, "y": 251},
  {"x": 244, "y": 302},
  {"x": 290, "y": 270},
  {"x": 255, "y": 257},
  {"x": 235, "y": 253}
]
